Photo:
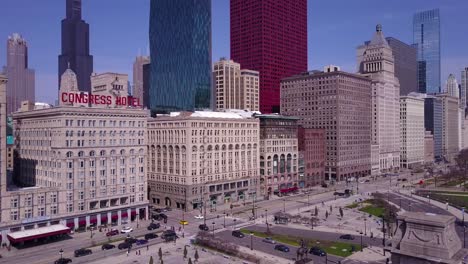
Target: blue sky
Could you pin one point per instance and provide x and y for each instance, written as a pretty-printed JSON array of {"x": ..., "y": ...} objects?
[{"x": 119, "y": 31}]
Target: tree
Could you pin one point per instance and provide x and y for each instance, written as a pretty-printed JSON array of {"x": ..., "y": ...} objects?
[
  {"x": 326, "y": 214},
  {"x": 196, "y": 255},
  {"x": 151, "y": 260},
  {"x": 190, "y": 261},
  {"x": 316, "y": 211},
  {"x": 185, "y": 252},
  {"x": 341, "y": 212},
  {"x": 160, "y": 253}
]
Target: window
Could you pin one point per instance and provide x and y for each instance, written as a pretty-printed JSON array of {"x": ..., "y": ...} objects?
[
  {"x": 69, "y": 208},
  {"x": 53, "y": 210},
  {"x": 81, "y": 195},
  {"x": 53, "y": 198},
  {"x": 28, "y": 213},
  {"x": 14, "y": 203},
  {"x": 28, "y": 201},
  {"x": 14, "y": 215},
  {"x": 41, "y": 211}
]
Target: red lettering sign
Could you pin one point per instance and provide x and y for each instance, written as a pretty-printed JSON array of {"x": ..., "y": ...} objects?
[{"x": 84, "y": 98}]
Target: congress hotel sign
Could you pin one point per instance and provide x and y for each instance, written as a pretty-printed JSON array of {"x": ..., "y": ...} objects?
[{"x": 97, "y": 99}]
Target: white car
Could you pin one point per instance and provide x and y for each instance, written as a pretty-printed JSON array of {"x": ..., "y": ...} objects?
[
  {"x": 126, "y": 229},
  {"x": 199, "y": 217}
]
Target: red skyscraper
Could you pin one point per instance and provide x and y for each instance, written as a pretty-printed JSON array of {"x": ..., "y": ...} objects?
[{"x": 270, "y": 36}]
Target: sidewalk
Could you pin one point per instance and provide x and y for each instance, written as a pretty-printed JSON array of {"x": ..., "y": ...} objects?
[
  {"x": 370, "y": 255},
  {"x": 453, "y": 210}
]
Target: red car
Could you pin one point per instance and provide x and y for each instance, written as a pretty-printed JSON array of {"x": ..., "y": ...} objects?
[{"x": 113, "y": 232}]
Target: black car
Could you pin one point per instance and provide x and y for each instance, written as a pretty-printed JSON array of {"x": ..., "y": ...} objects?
[
  {"x": 150, "y": 236},
  {"x": 130, "y": 240},
  {"x": 63, "y": 261},
  {"x": 158, "y": 210},
  {"x": 107, "y": 246},
  {"x": 124, "y": 245},
  {"x": 324, "y": 185},
  {"x": 282, "y": 248},
  {"x": 203, "y": 227},
  {"x": 347, "y": 237},
  {"x": 168, "y": 233},
  {"x": 317, "y": 251},
  {"x": 153, "y": 226},
  {"x": 238, "y": 234},
  {"x": 339, "y": 193},
  {"x": 82, "y": 252},
  {"x": 159, "y": 217}
]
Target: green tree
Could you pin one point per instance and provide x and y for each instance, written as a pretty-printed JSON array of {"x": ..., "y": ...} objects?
[
  {"x": 151, "y": 260},
  {"x": 160, "y": 253},
  {"x": 190, "y": 261},
  {"x": 185, "y": 252},
  {"x": 316, "y": 211},
  {"x": 196, "y": 255},
  {"x": 341, "y": 212}
]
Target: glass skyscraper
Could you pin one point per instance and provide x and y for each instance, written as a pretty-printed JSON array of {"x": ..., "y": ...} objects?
[
  {"x": 180, "y": 44},
  {"x": 426, "y": 34}
]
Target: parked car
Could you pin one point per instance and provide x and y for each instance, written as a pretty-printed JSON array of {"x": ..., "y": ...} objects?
[
  {"x": 154, "y": 226},
  {"x": 124, "y": 245},
  {"x": 107, "y": 246},
  {"x": 199, "y": 217},
  {"x": 183, "y": 222},
  {"x": 317, "y": 251},
  {"x": 168, "y": 233},
  {"x": 282, "y": 248},
  {"x": 82, "y": 252},
  {"x": 269, "y": 240},
  {"x": 159, "y": 217},
  {"x": 203, "y": 227},
  {"x": 63, "y": 261},
  {"x": 112, "y": 232},
  {"x": 238, "y": 234},
  {"x": 140, "y": 242},
  {"x": 339, "y": 193},
  {"x": 150, "y": 236},
  {"x": 126, "y": 229},
  {"x": 130, "y": 240},
  {"x": 347, "y": 237},
  {"x": 324, "y": 185}
]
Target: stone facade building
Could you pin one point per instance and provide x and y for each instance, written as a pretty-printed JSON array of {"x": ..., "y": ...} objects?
[
  {"x": 412, "y": 131},
  {"x": 203, "y": 158},
  {"x": 235, "y": 88},
  {"x": 340, "y": 104},
  {"x": 115, "y": 84},
  {"x": 428, "y": 147},
  {"x": 311, "y": 144},
  {"x": 279, "y": 172},
  {"x": 451, "y": 126},
  {"x": 376, "y": 61}
]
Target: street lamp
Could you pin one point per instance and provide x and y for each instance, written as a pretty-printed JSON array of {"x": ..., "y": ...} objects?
[
  {"x": 365, "y": 227},
  {"x": 213, "y": 228},
  {"x": 284, "y": 205},
  {"x": 91, "y": 228},
  {"x": 308, "y": 202},
  {"x": 266, "y": 220},
  {"x": 251, "y": 240},
  {"x": 224, "y": 215},
  {"x": 235, "y": 223},
  {"x": 361, "y": 240},
  {"x": 428, "y": 200},
  {"x": 61, "y": 254}
]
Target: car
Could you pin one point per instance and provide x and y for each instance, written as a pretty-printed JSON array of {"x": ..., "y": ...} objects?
[
  {"x": 154, "y": 226},
  {"x": 238, "y": 234},
  {"x": 203, "y": 227},
  {"x": 324, "y": 185},
  {"x": 404, "y": 179},
  {"x": 140, "y": 242},
  {"x": 107, "y": 246},
  {"x": 150, "y": 236},
  {"x": 269, "y": 240},
  {"x": 339, "y": 193},
  {"x": 168, "y": 209},
  {"x": 282, "y": 248},
  {"x": 112, "y": 232},
  {"x": 126, "y": 229},
  {"x": 63, "y": 261},
  {"x": 347, "y": 237},
  {"x": 317, "y": 251},
  {"x": 199, "y": 217},
  {"x": 82, "y": 252},
  {"x": 367, "y": 180},
  {"x": 183, "y": 222},
  {"x": 130, "y": 240},
  {"x": 159, "y": 217},
  {"x": 124, "y": 245},
  {"x": 158, "y": 210},
  {"x": 168, "y": 233}
]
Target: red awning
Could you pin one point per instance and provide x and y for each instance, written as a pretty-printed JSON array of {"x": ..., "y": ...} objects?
[
  {"x": 93, "y": 220},
  {"x": 133, "y": 213},
  {"x": 31, "y": 234},
  {"x": 103, "y": 218},
  {"x": 82, "y": 222},
  {"x": 287, "y": 190},
  {"x": 124, "y": 214},
  {"x": 70, "y": 224},
  {"x": 115, "y": 217}
]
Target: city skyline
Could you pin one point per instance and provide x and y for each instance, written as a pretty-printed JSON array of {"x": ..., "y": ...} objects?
[{"x": 332, "y": 38}]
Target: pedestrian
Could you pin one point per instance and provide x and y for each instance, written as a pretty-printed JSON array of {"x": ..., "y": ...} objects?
[
  {"x": 127, "y": 253},
  {"x": 147, "y": 247},
  {"x": 136, "y": 252}
]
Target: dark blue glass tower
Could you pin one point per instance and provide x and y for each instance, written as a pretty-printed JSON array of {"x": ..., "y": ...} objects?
[
  {"x": 180, "y": 43},
  {"x": 426, "y": 34}
]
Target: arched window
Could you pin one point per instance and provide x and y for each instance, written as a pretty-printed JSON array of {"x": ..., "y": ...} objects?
[
  {"x": 282, "y": 163},
  {"x": 69, "y": 154},
  {"x": 122, "y": 152},
  {"x": 275, "y": 164},
  {"x": 102, "y": 153},
  {"x": 80, "y": 154},
  {"x": 289, "y": 163},
  {"x": 92, "y": 153},
  {"x": 194, "y": 149}
]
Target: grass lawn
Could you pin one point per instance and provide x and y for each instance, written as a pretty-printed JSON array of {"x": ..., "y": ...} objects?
[
  {"x": 331, "y": 247},
  {"x": 352, "y": 206},
  {"x": 373, "y": 210}
]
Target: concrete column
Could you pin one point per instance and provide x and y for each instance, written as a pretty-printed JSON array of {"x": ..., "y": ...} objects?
[
  {"x": 109, "y": 220},
  {"x": 129, "y": 215},
  {"x": 98, "y": 219},
  {"x": 147, "y": 213},
  {"x": 119, "y": 221},
  {"x": 87, "y": 220},
  {"x": 75, "y": 222}
]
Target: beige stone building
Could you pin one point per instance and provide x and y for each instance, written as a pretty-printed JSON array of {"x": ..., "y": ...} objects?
[
  {"x": 450, "y": 126},
  {"x": 235, "y": 88},
  {"x": 109, "y": 83},
  {"x": 428, "y": 147},
  {"x": 412, "y": 131},
  {"x": 203, "y": 157}
]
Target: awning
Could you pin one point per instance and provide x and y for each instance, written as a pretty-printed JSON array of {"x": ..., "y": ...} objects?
[
  {"x": 287, "y": 190},
  {"x": 134, "y": 213},
  {"x": 36, "y": 233},
  {"x": 124, "y": 214}
]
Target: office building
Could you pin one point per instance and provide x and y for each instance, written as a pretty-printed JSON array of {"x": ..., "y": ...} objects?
[
  {"x": 428, "y": 147},
  {"x": 75, "y": 46},
  {"x": 20, "y": 84},
  {"x": 376, "y": 61},
  {"x": 235, "y": 88},
  {"x": 138, "y": 78},
  {"x": 269, "y": 37},
  {"x": 451, "y": 87},
  {"x": 203, "y": 158},
  {"x": 279, "y": 172},
  {"x": 451, "y": 140},
  {"x": 180, "y": 47},
  {"x": 412, "y": 132},
  {"x": 426, "y": 35},
  {"x": 311, "y": 145},
  {"x": 433, "y": 122},
  {"x": 406, "y": 65},
  {"x": 3, "y": 136},
  {"x": 464, "y": 88},
  {"x": 146, "y": 85},
  {"x": 340, "y": 103}
]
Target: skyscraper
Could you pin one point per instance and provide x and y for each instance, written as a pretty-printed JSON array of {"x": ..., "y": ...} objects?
[
  {"x": 451, "y": 86},
  {"x": 138, "y": 91},
  {"x": 464, "y": 88},
  {"x": 180, "y": 47},
  {"x": 406, "y": 65},
  {"x": 376, "y": 61},
  {"x": 426, "y": 34},
  {"x": 270, "y": 37},
  {"x": 75, "y": 46},
  {"x": 20, "y": 86}
]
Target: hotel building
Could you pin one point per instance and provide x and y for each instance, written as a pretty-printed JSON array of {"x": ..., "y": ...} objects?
[{"x": 412, "y": 131}]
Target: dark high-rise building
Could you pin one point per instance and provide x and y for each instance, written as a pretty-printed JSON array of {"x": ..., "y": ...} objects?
[
  {"x": 270, "y": 37},
  {"x": 75, "y": 46},
  {"x": 146, "y": 85},
  {"x": 180, "y": 47},
  {"x": 433, "y": 121},
  {"x": 20, "y": 85},
  {"x": 426, "y": 34},
  {"x": 406, "y": 65}
]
